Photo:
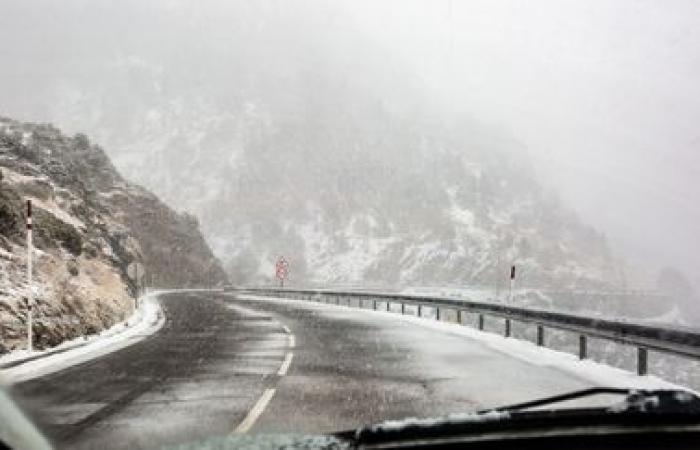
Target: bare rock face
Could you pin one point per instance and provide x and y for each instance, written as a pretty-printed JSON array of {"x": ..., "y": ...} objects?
[{"x": 90, "y": 226}]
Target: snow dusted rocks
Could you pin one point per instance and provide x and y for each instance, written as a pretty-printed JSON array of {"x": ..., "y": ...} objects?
[
  {"x": 90, "y": 224},
  {"x": 22, "y": 365}
]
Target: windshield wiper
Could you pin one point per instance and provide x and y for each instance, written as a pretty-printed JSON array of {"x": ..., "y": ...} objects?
[
  {"x": 639, "y": 410},
  {"x": 584, "y": 393}
]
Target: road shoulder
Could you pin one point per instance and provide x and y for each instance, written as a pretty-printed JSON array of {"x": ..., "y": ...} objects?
[{"x": 147, "y": 320}]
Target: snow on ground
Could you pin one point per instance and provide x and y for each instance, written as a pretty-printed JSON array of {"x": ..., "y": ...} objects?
[
  {"x": 595, "y": 373},
  {"x": 477, "y": 294},
  {"x": 145, "y": 320},
  {"x": 547, "y": 300},
  {"x": 598, "y": 374},
  {"x": 58, "y": 212},
  {"x": 674, "y": 316}
]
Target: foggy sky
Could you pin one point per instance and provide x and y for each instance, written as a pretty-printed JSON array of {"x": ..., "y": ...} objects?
[{"x": 604, "y": 95}]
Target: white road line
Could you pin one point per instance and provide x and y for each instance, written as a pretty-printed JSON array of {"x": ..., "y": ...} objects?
[
  {"x": 254, "y": 413},
  {"x": 285, "y": 364},
  {"x": 265, "y": 398}
]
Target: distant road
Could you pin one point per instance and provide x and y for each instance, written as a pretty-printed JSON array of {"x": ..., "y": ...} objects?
[{"x": 223, "y": 364}]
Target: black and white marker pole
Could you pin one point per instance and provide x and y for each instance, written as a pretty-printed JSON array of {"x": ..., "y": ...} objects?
[
  {"x": 512, "y": 280},
  {"x": 136, "y": 272},
  {"x": 30, "y": 283}
]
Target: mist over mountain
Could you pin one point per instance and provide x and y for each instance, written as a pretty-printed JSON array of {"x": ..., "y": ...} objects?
[{"x": 287, "y": 132}]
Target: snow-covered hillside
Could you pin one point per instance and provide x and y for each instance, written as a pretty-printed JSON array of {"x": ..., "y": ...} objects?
[
  {"x": 334, "y": 159},
  {"x": 90, "y": 226},
  {"x": 413, "y": 210}
]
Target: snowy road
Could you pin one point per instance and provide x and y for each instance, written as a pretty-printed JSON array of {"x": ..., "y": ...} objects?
[{"x": 222, "y": 364}]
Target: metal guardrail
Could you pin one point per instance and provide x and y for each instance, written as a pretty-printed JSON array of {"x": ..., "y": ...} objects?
[{"x": 644, "y": 337}]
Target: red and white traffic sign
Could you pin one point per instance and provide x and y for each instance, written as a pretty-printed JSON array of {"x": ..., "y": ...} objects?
[{"x": 281, "y": 270}]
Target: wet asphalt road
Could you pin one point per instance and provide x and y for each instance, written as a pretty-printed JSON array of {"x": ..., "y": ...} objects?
[{"x": 331, "y": 368}]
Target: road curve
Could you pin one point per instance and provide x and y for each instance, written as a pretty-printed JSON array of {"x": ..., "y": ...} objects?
[{"x": 226, "y": 364}]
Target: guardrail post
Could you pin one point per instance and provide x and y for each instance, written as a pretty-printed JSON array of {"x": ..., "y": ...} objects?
[
  {"x": 437, "y": 313},
  {"x": 582, "y": 350},
  {"x": 641, "y": 361},
  {"x": 481, "y": 322},
  {"x": 403, "y": 308},
  {"x": 459, "y": 316},
  {"x": 388, "y": 306},
  {"x": 374, "y": 304},
  {"x": 420, "y": 307},
  {"x": 540, "y": 335},
  {"x": 507, "y": 330}
]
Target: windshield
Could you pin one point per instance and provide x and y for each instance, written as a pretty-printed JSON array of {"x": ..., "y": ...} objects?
[{"x": 234, "y": 217}]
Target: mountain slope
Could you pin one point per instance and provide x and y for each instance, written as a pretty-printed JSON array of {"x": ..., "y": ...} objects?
[
  {"x": 286, "y": 131},
  {"x": 90, "y": 226}
]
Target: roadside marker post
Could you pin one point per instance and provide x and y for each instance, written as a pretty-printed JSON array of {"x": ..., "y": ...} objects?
[
  {"x": 137, "y": 272},
  {"x": 281, "y": 270},
  {"x": 512, "y": 280},
  {"x": 30, "y": 283}
]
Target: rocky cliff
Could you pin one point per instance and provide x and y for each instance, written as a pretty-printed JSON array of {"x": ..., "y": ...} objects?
[{"x": 92, "y": 229}]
